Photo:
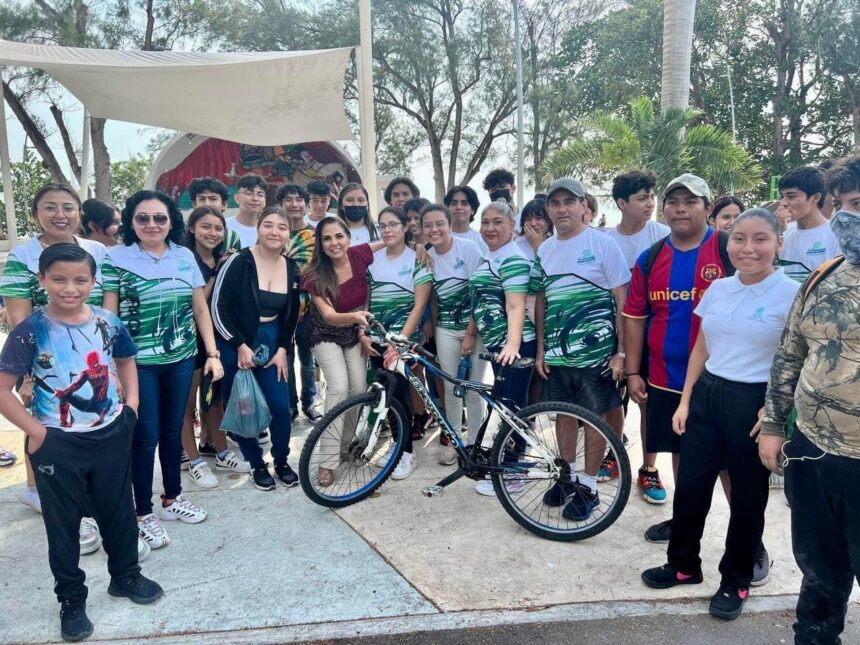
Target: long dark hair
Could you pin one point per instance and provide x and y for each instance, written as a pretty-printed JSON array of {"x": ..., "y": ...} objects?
[
  {"x": 368, "y": 220},
  {"x": 320, "y": 269},
  {"x": 197, "y": 214},
  {"x": 177, "y": 224}
]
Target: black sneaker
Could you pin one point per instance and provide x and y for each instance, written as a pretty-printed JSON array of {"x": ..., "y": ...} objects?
[
  {"x": 286, "y": 475},
  {"x": 761, "y": 566},
  {"x": 581, "y": 504},
  {"x": 659, "y": 533},
  {"x": 74, "y": 624},
  {"x": 665, "y": 577},
  {"x": 294, "y": 414},
  {"x": 137, "y": 588},
  {"x": 312, "y": 414},
  {"x": 262, "y": 479},
  {"x": 728, "y": 602},
  {"x": 558, "y": 493},
  {"x": 207, "y": 449}
]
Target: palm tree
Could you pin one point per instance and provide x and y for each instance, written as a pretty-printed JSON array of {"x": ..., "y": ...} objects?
[
  {"x": 678, "y": 17},
  {"x": 668, "y": 144}
]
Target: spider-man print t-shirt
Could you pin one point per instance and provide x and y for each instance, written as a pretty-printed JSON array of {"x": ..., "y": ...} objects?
[{"x": 72, "y": 366}]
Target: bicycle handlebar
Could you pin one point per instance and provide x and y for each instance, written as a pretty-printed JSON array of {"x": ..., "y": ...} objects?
[
  {"x": 398, "y": 340},
  {"x": 493, "y": 357}
]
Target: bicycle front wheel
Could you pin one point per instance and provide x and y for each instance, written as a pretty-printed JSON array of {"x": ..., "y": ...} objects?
[
  {"x": 352, "y": 451},
  {"x": 563, "y": 441}
]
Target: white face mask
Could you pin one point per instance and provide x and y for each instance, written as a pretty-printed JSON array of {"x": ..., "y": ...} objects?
[{"x": 846, "y": 227}]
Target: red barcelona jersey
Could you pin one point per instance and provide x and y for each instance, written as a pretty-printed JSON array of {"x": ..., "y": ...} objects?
[{"x": 676, "y": 284}]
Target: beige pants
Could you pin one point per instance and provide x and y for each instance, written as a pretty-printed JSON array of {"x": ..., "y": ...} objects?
[
  {"x": 345, "y": 373},
  {"x": 448, "y": 353}
]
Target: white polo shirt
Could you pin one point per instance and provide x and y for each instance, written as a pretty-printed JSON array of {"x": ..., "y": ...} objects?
[{"x": 743, "y": 325}]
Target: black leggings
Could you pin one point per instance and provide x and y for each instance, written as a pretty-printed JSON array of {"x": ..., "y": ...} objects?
[
  {"x": 722, "y": 414},
  {"x": 401, "y": 394}
]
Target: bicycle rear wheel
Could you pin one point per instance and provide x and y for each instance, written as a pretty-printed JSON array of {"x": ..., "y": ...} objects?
[
  {"x": 538, "y": 496},
  {"x": 340, "y": 443}
]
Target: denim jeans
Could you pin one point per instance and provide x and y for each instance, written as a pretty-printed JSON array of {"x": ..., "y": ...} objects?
[
  {"x": 163, "y": 394},
  {"x": 825, "y": 535},
  {"x": 275, "y": 392},
  {"x": 308, "y": 367}
]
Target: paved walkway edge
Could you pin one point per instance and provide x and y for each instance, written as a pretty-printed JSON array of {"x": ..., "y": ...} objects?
[{"x": 456, "y": 620}]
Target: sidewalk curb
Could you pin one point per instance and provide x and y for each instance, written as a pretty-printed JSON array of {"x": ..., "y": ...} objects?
[{"x": 456, "y": 620}]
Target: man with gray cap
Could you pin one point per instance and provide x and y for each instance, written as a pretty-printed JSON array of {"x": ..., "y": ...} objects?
[
  {"x": 668, "y": 281},
  {"x": 582, "y": 281}
]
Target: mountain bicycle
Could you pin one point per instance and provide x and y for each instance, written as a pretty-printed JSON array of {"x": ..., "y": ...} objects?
[{"x": 361, "y": 441}]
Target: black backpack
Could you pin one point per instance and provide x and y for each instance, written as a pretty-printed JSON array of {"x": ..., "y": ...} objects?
[{"x": 722, "y": 243}]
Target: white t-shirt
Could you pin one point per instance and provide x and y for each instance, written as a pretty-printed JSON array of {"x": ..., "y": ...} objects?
[
  {"x": 743, "y": 325},
  {"x": 451, "y": 273},
  {"x": 247, "y": 234},
  {"x": 360, "y": 235},
  {"x": 804, "y": 249},
  {"x": 311, "y": 222},
  {"x": 473, "y": 235},
  {"x": 632, "y": 246}
]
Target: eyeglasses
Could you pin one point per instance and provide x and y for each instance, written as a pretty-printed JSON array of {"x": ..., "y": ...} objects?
[
  {"x": 68, "y": 209},
  {"x": 389, "y": 227},
  {"x": 428, "y": 226},
  {"x": 143, "y": 219}
]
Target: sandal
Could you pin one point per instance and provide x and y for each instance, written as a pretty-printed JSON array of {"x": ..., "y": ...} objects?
[
  {"x": 7, "y": 458},
  {"x": 325, "y": 477}
]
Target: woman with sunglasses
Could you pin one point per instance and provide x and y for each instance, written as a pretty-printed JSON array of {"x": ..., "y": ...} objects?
[
  {"x": 57, "y": 211},
  {"x": 255, "y": 305},
  {"x": 399, "y": 292},
  {"x": 163, "y": 305}
]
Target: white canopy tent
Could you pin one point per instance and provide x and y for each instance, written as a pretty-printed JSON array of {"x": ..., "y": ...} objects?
[{"x": 254, "y": 98}]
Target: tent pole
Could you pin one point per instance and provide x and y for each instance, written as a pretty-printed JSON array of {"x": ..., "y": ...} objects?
[
  {"x": 85, "y": 157},
  {"x": 365, "y": 104},
  {"x": 6, "y": 168}
]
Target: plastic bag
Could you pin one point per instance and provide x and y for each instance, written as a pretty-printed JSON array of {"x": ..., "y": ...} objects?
[{"x": 246, "y": 414}]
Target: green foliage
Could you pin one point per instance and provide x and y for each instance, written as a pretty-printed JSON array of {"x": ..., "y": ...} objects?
[
  {"x": 28, "y": 175},
  {"x": 127, "y": 178},
  {"x": 668, "y": 144}
]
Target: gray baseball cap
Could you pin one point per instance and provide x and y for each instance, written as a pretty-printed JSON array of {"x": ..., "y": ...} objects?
[
  {"x": 693, "y": 183},
  {"x": 566, "y": 183}
]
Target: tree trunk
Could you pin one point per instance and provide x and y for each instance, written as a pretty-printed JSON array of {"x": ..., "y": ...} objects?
[
  {"x": 101, "y": 159},
  {"x": 854, "y": 98},
  {"x": 678, "y": 17},
  {"x": 57, "y": 113},
  {"x": 35, "y": 134}
]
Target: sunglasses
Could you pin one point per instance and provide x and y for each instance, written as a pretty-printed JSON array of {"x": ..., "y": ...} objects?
[{"x": 143, "y": 219}]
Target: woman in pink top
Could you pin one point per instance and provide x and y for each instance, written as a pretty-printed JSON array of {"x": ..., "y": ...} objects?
[{"x": 336, "y": 279}]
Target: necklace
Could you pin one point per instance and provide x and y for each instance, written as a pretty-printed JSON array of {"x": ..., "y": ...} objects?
[{"x": 151, "y": 255}]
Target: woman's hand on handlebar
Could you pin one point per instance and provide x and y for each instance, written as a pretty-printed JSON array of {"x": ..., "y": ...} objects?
[
  {"x": 366, "y": 343},
  {"x": 508, "y": 355},
  {"x": 390, "y": 357}
]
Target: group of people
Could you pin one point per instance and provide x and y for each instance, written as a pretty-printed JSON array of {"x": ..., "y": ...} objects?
[{"x": 121, "y": 334}]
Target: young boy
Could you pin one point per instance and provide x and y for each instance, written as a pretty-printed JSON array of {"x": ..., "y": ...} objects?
[{"x": 79, "y": 434}]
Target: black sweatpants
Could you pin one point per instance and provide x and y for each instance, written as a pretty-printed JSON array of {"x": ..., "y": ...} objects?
[
  {"x": 722, "y": 414},
  {"x": 79, "y": 472},
  {"x": 825, "y": 534}
]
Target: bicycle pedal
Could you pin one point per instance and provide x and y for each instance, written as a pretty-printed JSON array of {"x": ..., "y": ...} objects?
[{"x": 432, "y": 491}]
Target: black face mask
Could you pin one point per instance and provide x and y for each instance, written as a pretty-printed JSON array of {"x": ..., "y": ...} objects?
[
  {"x": 502, "y": 193},
  {"x": 355, "y": 213}
]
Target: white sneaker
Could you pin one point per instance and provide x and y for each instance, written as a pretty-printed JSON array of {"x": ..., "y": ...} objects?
[
  {"x": 485, "y": 487},
  {"x": 405, "y": 467},
  {"x": 151, "y": 532},
  {"x": 89, "y": 536},
  {"x": 448, "y": 455},
  {"x": 30, "y": 497},
  {"x": 142, "y": 550},
  {"x": 202, "y": 476},
  {"x": 182, "y": 510},
  {"x": 233, "y": 462}
]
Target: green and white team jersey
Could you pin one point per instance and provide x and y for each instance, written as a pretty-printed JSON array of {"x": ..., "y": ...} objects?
[
  {"x": 392, "y": 288},
  {"x": 577, "y": 276},
  {"x": 803, "y": 250},
  {"x": 231, "y": 240},
  {"x": 505, "y": 270},
  {"x": 155, "y": 300},
  {"x": 21, "y": 274},
  {"x": 451, "y": 273}
]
